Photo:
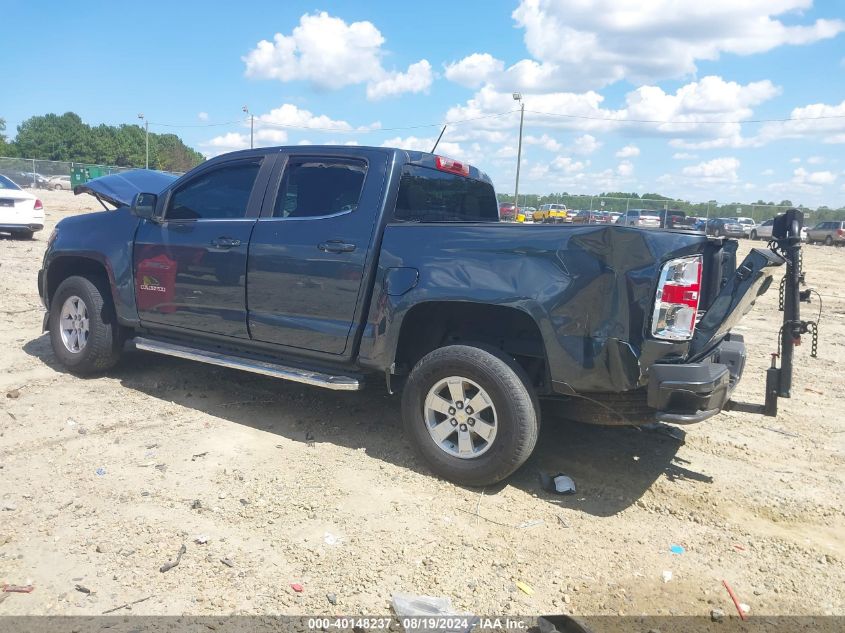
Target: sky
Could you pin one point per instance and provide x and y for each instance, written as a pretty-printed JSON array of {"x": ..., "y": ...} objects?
[{"x": 732, "y": 100}]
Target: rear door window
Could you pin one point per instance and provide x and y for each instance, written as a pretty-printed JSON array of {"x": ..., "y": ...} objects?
[
  {"x": 430, "y": 195},
  {"x": 315, "y": 187}
]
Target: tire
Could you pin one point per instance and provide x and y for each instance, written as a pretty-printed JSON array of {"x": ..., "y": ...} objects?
[
  {"x": 104, "y": 340},
  {"x": 23, "y": 235},
  {"x": 754, "y": 235},
  {"x": 828, "y": 241},
  {"x": 514, "y": 408},
  {"x": 57, "y": 187}
]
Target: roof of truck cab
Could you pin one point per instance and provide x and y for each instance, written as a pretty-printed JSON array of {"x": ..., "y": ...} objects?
[{"x": 412, "y": 157}]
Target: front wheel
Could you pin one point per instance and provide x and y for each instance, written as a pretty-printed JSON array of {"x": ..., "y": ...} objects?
[
  {"x": 471, "y": 413},
  {"x": 84, "y": 332},
  {"x": 754, "y": 235},
  {"x": 828, "y": 241},
  {"x": 23, "y": 235}
]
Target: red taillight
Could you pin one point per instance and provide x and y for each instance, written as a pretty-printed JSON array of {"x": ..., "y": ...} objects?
[
  {"x": 676, "y": 303},
  {"x": 38, "y": 206},
  {"x": 452, "y": 166},
  {"x": 840, "y": 232}
]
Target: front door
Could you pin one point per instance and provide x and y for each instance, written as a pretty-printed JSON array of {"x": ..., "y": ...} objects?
[
  {"x": 308, "y": 255},
  {"x": 190, "y": 268}
]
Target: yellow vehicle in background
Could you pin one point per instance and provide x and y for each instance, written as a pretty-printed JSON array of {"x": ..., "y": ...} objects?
[{"x": 556, "y": 213}]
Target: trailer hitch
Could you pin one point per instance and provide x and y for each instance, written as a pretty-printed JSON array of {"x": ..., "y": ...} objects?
[{"x": 786, "y": 242}]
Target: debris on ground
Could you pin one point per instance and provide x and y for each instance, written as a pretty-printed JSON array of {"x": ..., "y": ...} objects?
[
  {"x": 717, "y": 615},
  {"x": 9, "y": 507},
  {"x": 667, "y": 576},
  {"x": 101, "y": 471},
  {"x": 194, "y": 457},
  {"x": 332, "y": 539},
  {"x": 530, "y": 524},
  {"x": 28, "y": 588},
  {"x": 168, "y": 565},
  {"x": 196, "y": 504},
  {"x": 524, "y": 588},
  {"x": 411, "y": 606},
  {"x": 664, "y": 429},
  {"x": 297, "y": 587},
  {"x": 82, "y": 589},
  {"x": 332, "y": 598},
  {"x": 202, "y": 539},
  {"x": 126, "y": 605},
  {"x": 677, "y": 549},
  {"x": 13, "y": 394},
  {"x": 227, "y": 561},
  {"x": 736, "y": 602},
  {"x": 560, "y": 483}
]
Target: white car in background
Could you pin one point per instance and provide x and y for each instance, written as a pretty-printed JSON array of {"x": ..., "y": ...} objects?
[
  {"x": 747, "y": 224},
  {"x": 21, "y": 213}
]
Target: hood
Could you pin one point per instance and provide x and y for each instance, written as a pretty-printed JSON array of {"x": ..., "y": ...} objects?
[{"x": 121, "y": 189}]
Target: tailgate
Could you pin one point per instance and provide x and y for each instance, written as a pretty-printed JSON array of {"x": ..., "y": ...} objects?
[{"x": 737, "y": 295}]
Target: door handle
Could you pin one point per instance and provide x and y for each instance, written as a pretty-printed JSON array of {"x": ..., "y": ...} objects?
[
  {"x": 336, "y": 246},
  {"x": 225, "y": 242}
]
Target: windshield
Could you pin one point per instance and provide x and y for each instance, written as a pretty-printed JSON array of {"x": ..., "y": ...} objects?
[
  {"x": 5, "y": 183},
  {"x": 430, "y": 195}
]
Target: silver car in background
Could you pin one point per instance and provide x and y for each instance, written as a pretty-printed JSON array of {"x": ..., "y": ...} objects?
[{"x": 642, "y": 218}]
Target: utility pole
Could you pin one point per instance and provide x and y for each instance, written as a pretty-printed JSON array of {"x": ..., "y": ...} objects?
[
  {"x": 518, "y": 97},
  {"x": 146, "y": 139},
  {"x": 251, "y": 126}
]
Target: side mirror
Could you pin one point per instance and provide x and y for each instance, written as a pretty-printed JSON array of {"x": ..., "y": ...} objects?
[{"x": 144, "y": 205}]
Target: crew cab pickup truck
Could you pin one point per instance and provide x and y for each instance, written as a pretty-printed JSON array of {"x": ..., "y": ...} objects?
[{"x": 332, "y": 266}]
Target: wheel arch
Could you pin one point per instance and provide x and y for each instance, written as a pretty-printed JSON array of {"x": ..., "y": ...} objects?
[
  {"x": 62, "y": 267},
  {"x": 432, "y": 324}
]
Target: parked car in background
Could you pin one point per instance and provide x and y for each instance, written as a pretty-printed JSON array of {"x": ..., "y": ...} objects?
[
  {"x": 57, "y": 183},
  {"x": 747, "y": 224},
  {"x": 829, "y": 233},
  {"x": 762, "y": 231},
  {"x": 21, "y": 213},
  {"x": 614, "y": 216},
  {"x": 673, "y": 219},
  {"x": 31, "y": 179},
  {"x": 725, "y": 227},
  {"x": 507, "y": 211},
  {"x": 642, "y": 218},
  {"x": 527, "y": 213}
]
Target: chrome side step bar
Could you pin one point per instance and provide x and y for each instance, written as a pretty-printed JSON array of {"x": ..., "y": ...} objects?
[{"x": 317, "y": 379}]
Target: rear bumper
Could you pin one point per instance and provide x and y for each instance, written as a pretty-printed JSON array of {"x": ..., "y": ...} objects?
[
  {"x": 13, "y": 228},
  {"x": 684, "y": 394}
]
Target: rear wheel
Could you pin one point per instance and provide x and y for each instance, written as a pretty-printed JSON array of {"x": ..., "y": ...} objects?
[
  {"x": 754, "y": 235},
  {"x": 23, "y": 235},
  {"x": 84, "y": 331},
  {"x": 471, "y": 413}
]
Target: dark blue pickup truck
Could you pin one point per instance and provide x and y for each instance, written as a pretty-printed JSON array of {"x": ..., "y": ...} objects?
[{"x": 335, "y": 265}]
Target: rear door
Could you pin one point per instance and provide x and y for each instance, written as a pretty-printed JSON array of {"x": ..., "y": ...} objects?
[
  {"x": 190, "y": 268},
  {"x": 308, "y": 253}
]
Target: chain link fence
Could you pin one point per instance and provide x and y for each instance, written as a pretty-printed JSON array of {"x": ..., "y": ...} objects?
[{"x": 55, "y": 174}]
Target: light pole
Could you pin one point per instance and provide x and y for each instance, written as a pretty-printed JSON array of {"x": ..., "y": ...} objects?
[
  {"x": 517, "y": 96},
  {"x": 251, "y": 125},
  {"x": 146, "y": 138}
]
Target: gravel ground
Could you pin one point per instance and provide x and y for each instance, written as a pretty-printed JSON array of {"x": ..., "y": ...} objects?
[{"x": 104, "y": 479}]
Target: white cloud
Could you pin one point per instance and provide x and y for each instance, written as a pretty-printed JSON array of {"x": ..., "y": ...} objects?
[
  {"x": 767, "y": 172},
  {"x": 818, "y": 120},
  {"x": 795, "y": 160},
  {"x": 417, "y": 78},
  {"x": 597, "y": 42},
  {"x": 331, "y": 54},
  {"x": 625, "y": 168},
  {"x": 802, "y": 176},
  {"x": 289, "y": 115},
  {"x": 472, "y": 71},
  {"x": 629, "y": 151},
  {"x": 815, "y": 160},
  {"x": 684, "y": 156},
  {"x": 718, "y": 170},
  {"x": 586, "y": 144},
  {"x": 567, "y": 165},
  {"x": 545, "y": 141},
  {"x": 225, "y": 143},
  {"x": 202, "y": 116},
  {"x": 471, "y": 154}
]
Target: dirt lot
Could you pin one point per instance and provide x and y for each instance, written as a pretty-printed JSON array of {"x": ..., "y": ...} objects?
[{"x": 300, "y": 485}]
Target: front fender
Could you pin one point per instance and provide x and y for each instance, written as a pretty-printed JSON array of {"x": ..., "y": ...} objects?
[{"x": 105, "y": 238}]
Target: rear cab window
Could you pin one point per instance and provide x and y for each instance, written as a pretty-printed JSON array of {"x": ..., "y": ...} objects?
[
  {"x": 431, "y": 195},
  {"x": 315, "y": 187}
]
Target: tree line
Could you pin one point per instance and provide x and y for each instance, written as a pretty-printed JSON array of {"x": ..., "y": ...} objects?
[{"x": 65, "y": 137}]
